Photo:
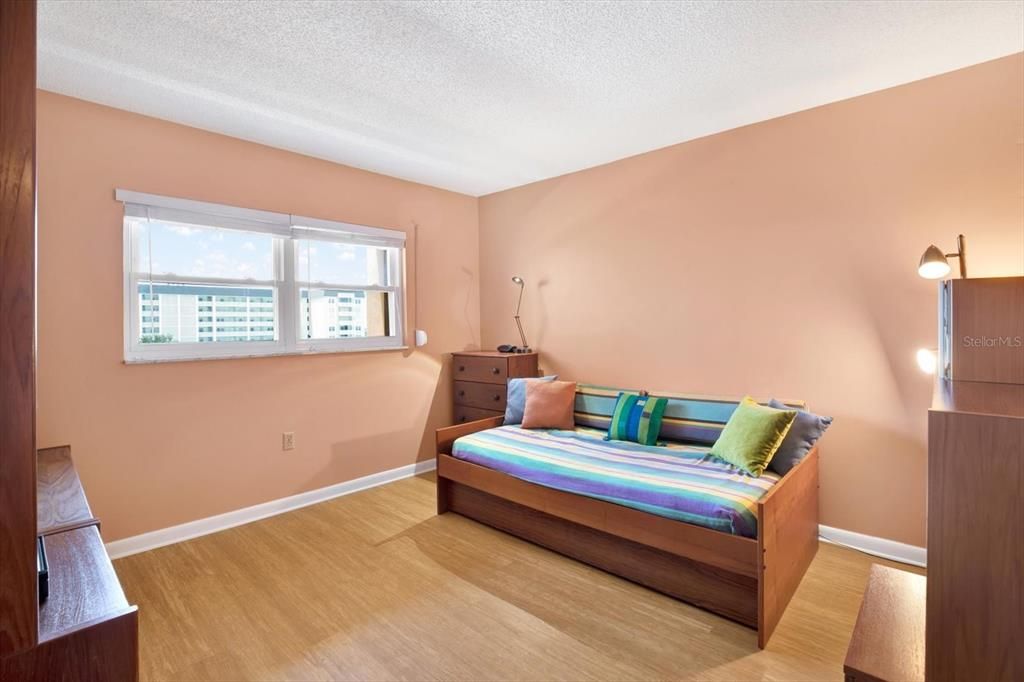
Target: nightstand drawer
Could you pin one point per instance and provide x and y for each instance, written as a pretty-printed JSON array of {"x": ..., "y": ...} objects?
[
  {"x": 488, "y": 370},
  {"x": 462, "y": 414},
  {"x": 486, "y": 396},
  {"x": 480, "y": 386}
]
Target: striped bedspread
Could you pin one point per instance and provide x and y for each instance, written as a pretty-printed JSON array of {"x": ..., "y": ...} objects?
[{"x": 681, "y": 482}]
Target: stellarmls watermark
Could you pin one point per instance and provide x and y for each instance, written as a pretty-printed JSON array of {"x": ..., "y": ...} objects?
[{"x": 992, "y": 341}]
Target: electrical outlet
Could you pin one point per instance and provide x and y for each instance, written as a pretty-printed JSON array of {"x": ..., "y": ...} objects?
[{"x": 288, "y": 440}]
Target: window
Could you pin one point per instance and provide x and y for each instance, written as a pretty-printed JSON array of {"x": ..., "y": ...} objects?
[
  {"x": 207, "y": 281},
  {"x": 340, "y": 282}
]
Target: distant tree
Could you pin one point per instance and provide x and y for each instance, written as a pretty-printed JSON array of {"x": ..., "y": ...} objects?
[{"x": 157, "y": 338}]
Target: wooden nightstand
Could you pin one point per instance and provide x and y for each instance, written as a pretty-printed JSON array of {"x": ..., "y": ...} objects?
[{"x": 481, "y": 379}]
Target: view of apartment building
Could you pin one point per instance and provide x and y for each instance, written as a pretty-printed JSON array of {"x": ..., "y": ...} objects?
[{"x": 183, "y": 313}]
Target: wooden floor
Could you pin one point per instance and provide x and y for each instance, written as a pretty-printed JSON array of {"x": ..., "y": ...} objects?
[{"x": 375, "y": 586}]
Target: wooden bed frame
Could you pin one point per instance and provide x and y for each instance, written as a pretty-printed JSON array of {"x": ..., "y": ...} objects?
[{"x": 746, "y": 580}]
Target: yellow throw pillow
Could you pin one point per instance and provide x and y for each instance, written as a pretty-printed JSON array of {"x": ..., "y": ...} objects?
[{"x": 752, "y": 435}]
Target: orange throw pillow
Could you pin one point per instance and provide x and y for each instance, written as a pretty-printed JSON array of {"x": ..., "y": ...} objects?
[{"x": 549, "y": 405}]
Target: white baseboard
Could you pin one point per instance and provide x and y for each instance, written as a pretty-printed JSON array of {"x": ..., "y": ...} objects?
[
  {"x": 213, "y": 524},
  {"x": 875, "y": 546},
  {"x": 869, "y": 544}
]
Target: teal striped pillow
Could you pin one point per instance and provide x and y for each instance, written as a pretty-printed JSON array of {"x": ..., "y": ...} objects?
[{"x": 637, "y": 418}]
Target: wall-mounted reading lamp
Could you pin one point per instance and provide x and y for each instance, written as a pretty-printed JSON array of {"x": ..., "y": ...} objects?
[{"x": 934, "y": 263}]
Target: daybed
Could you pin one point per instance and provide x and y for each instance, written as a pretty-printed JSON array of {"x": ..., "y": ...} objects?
[{"x": 696, "y": 529}]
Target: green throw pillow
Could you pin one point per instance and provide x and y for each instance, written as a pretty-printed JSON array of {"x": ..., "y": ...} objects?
[
  {"x": 637, "y": 418},
  {"x": 752, "y": 435}
]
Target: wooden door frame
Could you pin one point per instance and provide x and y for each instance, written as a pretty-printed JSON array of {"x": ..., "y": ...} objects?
[{"x": 19, "y": 603}]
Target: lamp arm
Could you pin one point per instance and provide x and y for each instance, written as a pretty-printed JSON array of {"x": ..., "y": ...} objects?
[
  {"x": 519, "y": 324},
  {"x": 961, "y": 248},
  {"x": 960, "y": 255},
  {"x": 522, "y": 336}
]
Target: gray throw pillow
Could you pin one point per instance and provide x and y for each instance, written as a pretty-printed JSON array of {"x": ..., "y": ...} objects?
[
  {"x": 807, "y": 428},
  {"x": 516, "y": 402}
]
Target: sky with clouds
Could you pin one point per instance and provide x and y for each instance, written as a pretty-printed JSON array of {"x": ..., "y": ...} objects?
[{"x": 189, "y": 251}]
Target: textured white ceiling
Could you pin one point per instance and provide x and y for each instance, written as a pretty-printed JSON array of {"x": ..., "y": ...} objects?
[{"x": 481, "y": 96}]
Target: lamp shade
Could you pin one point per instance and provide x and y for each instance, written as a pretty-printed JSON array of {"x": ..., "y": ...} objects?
[{"x": 933, "y": 263}]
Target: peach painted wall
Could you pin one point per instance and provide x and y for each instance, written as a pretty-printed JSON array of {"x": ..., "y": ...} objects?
[
  {"x": 161, "y": 444},
  {"x": 778, "y": 259}
]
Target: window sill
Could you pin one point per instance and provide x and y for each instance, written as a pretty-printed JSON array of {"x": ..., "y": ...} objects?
[{"x": 283, "y": 354}]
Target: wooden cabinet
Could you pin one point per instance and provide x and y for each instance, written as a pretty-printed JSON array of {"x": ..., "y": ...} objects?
[
  {"x": 87, "y": 630},
  {"x": 982, "y": 333},
  {"x": 975, "y": 602},
  {"x": 481, "y": 379},
  {"x": 60, "y": 500},
  {"x": 973, "y": 607},
  {"x": 18, "y": 601}
]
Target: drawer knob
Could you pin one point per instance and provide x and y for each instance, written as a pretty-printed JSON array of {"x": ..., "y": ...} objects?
[
  {"x": 462, "y": 393},
  {"x": 495, "y": 370},
  {"x": 497, "y": 397},
  {"x": 462, "y": 418},
  {"x": 462, "y": 368}
]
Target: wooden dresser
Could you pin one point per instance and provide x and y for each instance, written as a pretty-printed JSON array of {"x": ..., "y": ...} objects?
[
  {"x": 972, "y": 608},
  {"x": 982, "y": 336},
  {"x": 481, "y": 379},
  {"x": 975, "y": 600},
  {"x": 87, "y": 628},
  {"x": 975, "y": 603}
]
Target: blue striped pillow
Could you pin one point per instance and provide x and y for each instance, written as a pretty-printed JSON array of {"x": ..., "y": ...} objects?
[{"x": 637, "y": 418}]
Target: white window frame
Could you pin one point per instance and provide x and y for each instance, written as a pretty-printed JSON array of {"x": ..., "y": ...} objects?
[{"x": 286, "y": 230}]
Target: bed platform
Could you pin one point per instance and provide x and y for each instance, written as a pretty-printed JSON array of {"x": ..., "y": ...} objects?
[{"x": 744, "y": 579}]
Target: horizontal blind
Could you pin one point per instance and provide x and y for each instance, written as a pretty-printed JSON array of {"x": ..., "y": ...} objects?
[
  {"x": 200, "y": 213},
  {"x": 180, "y": 216},
  {"x": 346, "y": 237}
]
